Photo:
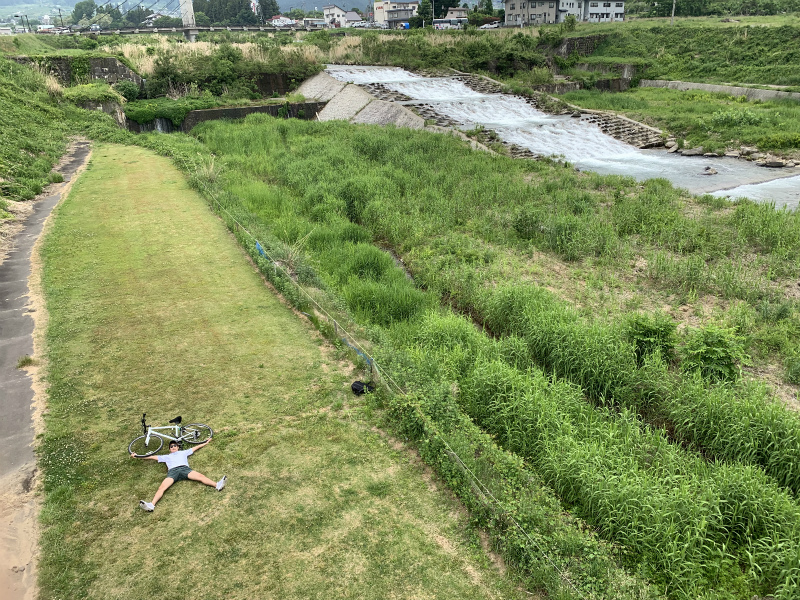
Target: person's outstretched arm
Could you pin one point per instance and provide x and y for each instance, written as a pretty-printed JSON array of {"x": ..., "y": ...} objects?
[
  {"x": 133, "y": 455},
  {"x": 196, "y": 448}
]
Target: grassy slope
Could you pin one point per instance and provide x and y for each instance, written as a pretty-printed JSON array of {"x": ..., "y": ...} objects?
[
  {"x": 449, "y": 214},
  {"x": 152, "y": 309},
  {"x": 714, "y": 121}
]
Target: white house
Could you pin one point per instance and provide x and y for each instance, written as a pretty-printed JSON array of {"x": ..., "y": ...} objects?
[
  {"x": 334, "y": 16},
  {"x": 150, "y": 19},
  {"x": 351, "y": 18},
  {"x": 456, "y": 13},
  {"x": 603, "y": 12},
  {"x": 537, "y": 12},
  {"x": 391, "y": 13},
  {"x": 281, "y": 21}
]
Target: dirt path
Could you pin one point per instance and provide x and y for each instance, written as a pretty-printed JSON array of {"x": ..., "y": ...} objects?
[{"x": 22, "y": 321}]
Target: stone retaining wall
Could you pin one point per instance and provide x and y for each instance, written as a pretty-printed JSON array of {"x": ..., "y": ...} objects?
[
  {"x": 557, "y": 88},
  {"x": 105, "y": 69},
  {"x": 110, "y": 108},
  {"x": 582, "y": 45},
  {"x": 750, "y": 93},
  {"x": 612, "y": 85},
  {"x": 623, "y": 70},
  {"x": 195, "y": 117}
]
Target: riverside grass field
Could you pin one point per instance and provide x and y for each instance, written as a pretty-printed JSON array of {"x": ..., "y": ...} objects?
[
  {"x": 613, "y": 359},
  {"x": 152, "y": 307}
]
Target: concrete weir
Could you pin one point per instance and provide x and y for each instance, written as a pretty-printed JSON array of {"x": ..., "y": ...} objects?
[{"x": 348, "y": 102}]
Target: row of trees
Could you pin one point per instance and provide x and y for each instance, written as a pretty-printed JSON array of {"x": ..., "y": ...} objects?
[
  {"x": 88, "y": 12},
  {"x": 700, "y": 8},
  {"x": 206, "y": 12}
]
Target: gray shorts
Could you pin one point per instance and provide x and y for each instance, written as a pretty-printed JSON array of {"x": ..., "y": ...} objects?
[{"x": 179, "y": 473}]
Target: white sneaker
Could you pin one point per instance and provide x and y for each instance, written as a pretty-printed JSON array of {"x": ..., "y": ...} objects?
[
  {"x": 148, "y": 506},
  {"x": 221, "y": 482}
]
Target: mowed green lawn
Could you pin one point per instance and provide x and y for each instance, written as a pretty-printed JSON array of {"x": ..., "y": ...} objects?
[{"x": 153, "y": 308}]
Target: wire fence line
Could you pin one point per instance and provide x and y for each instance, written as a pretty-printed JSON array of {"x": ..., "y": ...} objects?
[{"x": 385, "y": 378}]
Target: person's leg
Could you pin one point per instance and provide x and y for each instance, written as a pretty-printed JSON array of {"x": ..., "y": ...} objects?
[
  {"x": 162, "y": 488},
  {"x": 196, "y": 476}
]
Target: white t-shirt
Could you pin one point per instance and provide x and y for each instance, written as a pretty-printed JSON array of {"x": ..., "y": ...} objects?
[{"x": 176, "y": 459}]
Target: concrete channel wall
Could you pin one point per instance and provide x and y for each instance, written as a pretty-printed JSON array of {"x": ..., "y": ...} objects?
[{"x": 750, "y": 93}]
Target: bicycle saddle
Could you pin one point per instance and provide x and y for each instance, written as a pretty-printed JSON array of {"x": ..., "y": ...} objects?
[{"x": 176, "y": 420}]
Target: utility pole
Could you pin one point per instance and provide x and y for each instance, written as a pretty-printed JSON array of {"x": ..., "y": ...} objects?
[
  {"x": 672, "y": 20},
  {"x": 60, "y": 17}
]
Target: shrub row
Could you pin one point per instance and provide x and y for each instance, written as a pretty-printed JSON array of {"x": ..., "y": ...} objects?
[{"x": 732, "y": 422}]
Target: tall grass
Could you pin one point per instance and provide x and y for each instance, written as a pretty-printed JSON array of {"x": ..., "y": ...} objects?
[
  {"x": 488, "y": 199},
  {"x": 691, "y": 524},
  {"x": 35, "y": 126},
  {"x": 758, "y": 430},
  {"x": 455, "y": 217},
  {"x": 711, "y": 120}
]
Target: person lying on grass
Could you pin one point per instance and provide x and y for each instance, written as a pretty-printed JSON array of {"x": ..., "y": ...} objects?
[{"x": 177, "y": 470}]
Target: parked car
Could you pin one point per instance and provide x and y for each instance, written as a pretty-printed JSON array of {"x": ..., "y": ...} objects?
[
  {"x": 94, "y": 27},
  {"x": 494, "y": 25}
]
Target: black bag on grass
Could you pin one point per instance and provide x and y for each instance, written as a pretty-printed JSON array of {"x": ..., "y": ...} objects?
[{"x": 359, "y": 387}]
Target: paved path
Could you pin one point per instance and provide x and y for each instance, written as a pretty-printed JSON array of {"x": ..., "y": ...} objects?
[{"x": 17, "y": 460}]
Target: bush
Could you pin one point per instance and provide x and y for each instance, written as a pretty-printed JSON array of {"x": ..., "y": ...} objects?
[
  {"x": 793, "y": 369},
  {"x": 716, "y": 352},
  {"x": 145, "y": 111},
  {"x": 780, "y": 141},
  {"x": 128, "y": 89},
  {"x": 650, "y": 333},
  {"x": 92, "y": 92}
]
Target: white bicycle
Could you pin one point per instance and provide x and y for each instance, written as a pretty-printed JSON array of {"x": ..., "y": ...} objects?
[{"x": 153, "y": 438}]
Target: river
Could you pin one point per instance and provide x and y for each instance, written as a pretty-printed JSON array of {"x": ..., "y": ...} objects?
[{"x": 581, "y": 143}]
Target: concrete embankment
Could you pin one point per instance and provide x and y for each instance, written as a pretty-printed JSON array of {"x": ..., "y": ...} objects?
[
  {"x": 348, "y": 102},
  {"x": 749, "y": 93}
]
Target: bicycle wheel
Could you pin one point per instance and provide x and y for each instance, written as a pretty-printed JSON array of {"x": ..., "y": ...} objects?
[
  {"x": 196, "y": 433},
  {"x": 139, "y": 448}
]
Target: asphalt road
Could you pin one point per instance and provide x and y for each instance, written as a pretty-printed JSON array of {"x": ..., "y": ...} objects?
[{"x": 16, "y": 329}]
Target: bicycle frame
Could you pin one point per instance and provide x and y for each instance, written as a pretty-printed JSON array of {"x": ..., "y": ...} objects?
[
  {"x": 176, "y": 431},
  {"x": 155, "y": 431},
  {"x": 150, "y": 430}
]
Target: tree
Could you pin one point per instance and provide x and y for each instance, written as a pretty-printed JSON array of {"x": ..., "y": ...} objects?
[
  {"x": 268, "y": 9},
  {"x": 485, "y": 6},
  {"x": 201, "y": 19},
  {"x": 246, "y": 16},
  {"x": 83, "y": 10},
  {"x": 424, "y": 11},
  {"x": 137, "y": 15},
  {"x": 167, "y": 22},
  {"x": 442, "y": 6}
]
